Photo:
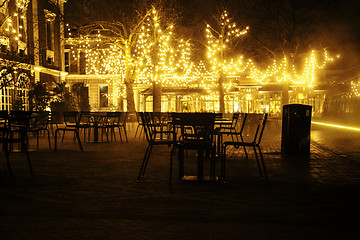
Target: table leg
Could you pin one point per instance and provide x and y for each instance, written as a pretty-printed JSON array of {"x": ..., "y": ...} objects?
[
  {"x": 181, "y": 163},
  {"x": 200, "y": 172},
  {"x": 96, "y": 133}
]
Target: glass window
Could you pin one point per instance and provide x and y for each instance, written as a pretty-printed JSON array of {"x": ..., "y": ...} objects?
[
  {"x": 22, "y": 87},
  {"x": 82, "y": 63},
  {"x": 67, "y": 61},
  {"x": 49, "y": 36},
  {"x": 104, "y": 100},
  {"x": 149, "y": 104}
]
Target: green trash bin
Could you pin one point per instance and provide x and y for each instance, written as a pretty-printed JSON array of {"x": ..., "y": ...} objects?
[{"x": 296, "y": 126}]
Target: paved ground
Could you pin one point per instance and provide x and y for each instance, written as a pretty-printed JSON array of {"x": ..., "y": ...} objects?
[{"x": 95, "y": 195}]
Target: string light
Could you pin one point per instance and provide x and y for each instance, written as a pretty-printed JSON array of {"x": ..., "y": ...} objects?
[
  {"x": 158, "y": 57},
  {"x": 155, "y": 57},
  {"x": 355, "y": 88},
  {"x": 13, "y": 24}
]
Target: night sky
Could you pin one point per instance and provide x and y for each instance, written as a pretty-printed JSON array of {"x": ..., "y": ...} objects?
[{"x": 338, "y": 21}]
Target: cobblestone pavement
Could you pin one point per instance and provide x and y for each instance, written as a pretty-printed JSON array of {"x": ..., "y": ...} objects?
[{"x": 95, "y": 195}]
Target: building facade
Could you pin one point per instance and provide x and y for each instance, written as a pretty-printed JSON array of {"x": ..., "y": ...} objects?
[{"x": 32, "y": 48}]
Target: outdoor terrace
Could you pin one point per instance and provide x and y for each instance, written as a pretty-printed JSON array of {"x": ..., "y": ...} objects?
[{"x": 94, "y": 194}]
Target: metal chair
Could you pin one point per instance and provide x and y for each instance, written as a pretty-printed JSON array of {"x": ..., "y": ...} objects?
[
  {"x": 254, "y": 143},
  {"x": 72, "y": 120},
  {"x": 14, "y": 131},
  {"x": 153, "y": 137},
  {"x": 196, "y": 133},
  {"x": 232, "y": 131},
  {"x": 56, "y": 119},
  {"x": 139, "y": 126},
  {"x": 39, "y": 121},
  {"x": 116, "y": 120},
  {"x": 232, "y": 126},
  {"x": 85, "y": 123},
  {"x": 122, "y": 124}
]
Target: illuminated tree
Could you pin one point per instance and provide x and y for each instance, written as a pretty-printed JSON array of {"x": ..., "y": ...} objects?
[
  {"x": 220, "y": 36},
  {"x": 127, "y": 54},
  {"x": 112, "y": 51},
  {"x": 134, "y": 49},
  {"x": 165, "y": 58},
  {"x": 286, "y": 39}
]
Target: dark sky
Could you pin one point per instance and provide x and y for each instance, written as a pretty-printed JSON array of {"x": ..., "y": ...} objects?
[{"x": 340, "y": 19}]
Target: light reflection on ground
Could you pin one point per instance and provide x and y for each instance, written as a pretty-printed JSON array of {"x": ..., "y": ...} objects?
[
  {"x": 336, "y": 126},
  {"x": 346, "y": 141}
]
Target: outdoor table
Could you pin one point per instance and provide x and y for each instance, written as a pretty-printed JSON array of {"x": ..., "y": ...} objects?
[
  {"x": 20, "y": 128},
  {"x": 195, "y": 141},
  {"x": 96, "y": 119},
  {"x": 223, "y": 122},
  {"x": 219, "y": 123}
]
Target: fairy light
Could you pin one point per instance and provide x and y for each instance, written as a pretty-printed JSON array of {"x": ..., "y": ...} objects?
[
  {"x": 158, "y": 57},
  {"x": 155, "y": 57},
  {"x": 13, "y": 23},
  {"x": 283, "y": 72},
  {"x": 355, "y": 88},
  {"x": 218, "y": 40}
]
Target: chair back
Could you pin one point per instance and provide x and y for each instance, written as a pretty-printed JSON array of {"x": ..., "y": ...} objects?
[
  {"x": 39, "y": 119},
  {"x": 157, "y": 118},
  {"x": 218, "y": 115},
  {"x": 4, "y": 123},
  {"x": 85, "y": 117},
  {"x": 56, "y": 117},
  {"x": 4, "y": 117},
  {"x": 19, "y": 121},
  {"x": 113, "y": 118},
  {"x": 122, "y": 119},
  {"x": 195, "y": 126},
  {"x": 235, "y": 119},
  {"x": 72, "y": 118},
  {"x": 258, "y": 122},
  {"x": 146, "y": 121},
  {"x": 152, "y": 131}
]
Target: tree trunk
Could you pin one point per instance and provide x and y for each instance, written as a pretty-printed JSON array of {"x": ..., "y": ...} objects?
[
  {"x": 157, "y": 91},
  {"x": 130, "y": 96},
  {"x": 285, "y": 94},
  {"x": 221, "y": 93},
  {"x": 286, "y": 84}
]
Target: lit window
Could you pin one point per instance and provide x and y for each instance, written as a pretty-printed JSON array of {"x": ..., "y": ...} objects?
[{"x": 104, "y": 101}]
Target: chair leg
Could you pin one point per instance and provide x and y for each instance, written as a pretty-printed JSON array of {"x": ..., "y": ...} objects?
[
  {"x": 136, "y": 131},
  {"x": 27, "y": 156},
  {"x": 48, "y": 132},
  {"x": 78, "y": 139},
  {"x": 84, "y": 131},
  {"x": 142, "y": 132},
  {"x": 181, "y": 163},
  {"x": 37, "y": 140},
  {"x": 200, "y": 164},
  {"x": 52, "y": 129},
  {"x": 143, "y": 163},
  {"x": 258, "y": 163},
  {"x": 120, "y": 134},
  {"x": 147, "y": 160},
  {"x": 263, "y": 164},
  {"x": 171, "y": 159},
  {"x": 125, "y": 134},
  {"x": 213, "y": 163},
  {"x": 89, "y": 133},
  {"x": 56, "y": 132},
  {"x": 6, "y": 149},
  {"x": 223, "y": 162},
  {"x": 62, "y": 140},
  {"x": 112, "y": 132},
  {"x": 242, "y": 140},
  {"x": 106, "y": 134}
]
